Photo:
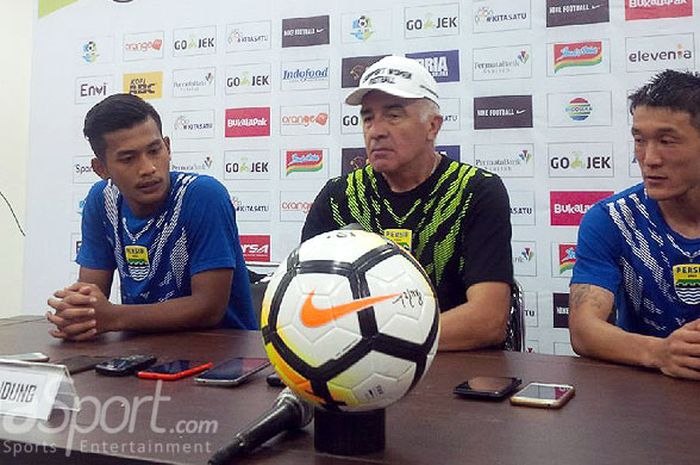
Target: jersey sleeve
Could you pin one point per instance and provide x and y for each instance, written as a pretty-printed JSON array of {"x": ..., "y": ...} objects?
[
  {"x": 486, "y": 248},
  {"x": 320, "y": 217},
  {"x": 96, "y": 251},
  {"x": 213, "y": 240},
  {"x": 597, "y": 251}
]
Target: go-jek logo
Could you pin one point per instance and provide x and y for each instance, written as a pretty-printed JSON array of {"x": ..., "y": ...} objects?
[
  {"x": 90, "y": 54},
  {"x": 579, "y": 109},
  {"x": 429, "y": 21},
  {"x": 362, "y": 28},
  {"x": 577, "y": 54}
]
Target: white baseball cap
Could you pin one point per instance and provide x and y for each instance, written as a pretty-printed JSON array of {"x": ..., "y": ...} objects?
[{"x": 396, "y": 75}]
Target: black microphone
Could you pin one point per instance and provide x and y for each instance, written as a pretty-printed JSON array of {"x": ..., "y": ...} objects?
[{"x": 288, "y": 412}]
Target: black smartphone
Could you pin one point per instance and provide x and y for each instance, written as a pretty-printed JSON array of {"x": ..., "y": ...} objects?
[
  {"x": 174, "y": 370},
  {"x": 125, "y": 366},
  {"x": 274, "y": 380},
  {"x": 233, "y": 372},
  {"x": 488, "y": 387},
  {"x": 80, "y": 363}
]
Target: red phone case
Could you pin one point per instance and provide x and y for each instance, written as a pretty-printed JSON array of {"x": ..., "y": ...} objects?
[{"x": 175, "y": 376}]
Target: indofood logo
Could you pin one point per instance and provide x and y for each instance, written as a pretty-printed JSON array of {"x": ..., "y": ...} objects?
[
  {"x": 579, "y": 109},
  {"x": 362, "y": 28},
  {"x": 90, "y": 54},
  {"x": 577, "y": 54},
  {"x": 303, "y": 161},
  {"x": 305, "y": 75}
]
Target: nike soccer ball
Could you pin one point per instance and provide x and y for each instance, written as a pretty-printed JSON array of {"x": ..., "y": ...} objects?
[{"x": 350, "y": 321}]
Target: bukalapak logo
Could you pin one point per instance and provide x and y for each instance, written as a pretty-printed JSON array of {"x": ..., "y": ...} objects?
[
  {"x": 248, "y": 122},
  {"x": 353, "y": 67},
  {"x": 568, "y": 208},
  {"x": 431, "y": 20},
  {"x": 256, "y": 247},
  {"x": 573, "y": 12},
  {"x": 655, "y": 53},
  {"x": 654, "y": 9},
  {"x": 305, "y": 32},
  {"x": 503, "y": 111},
  {"x": 443, "y": 65}
]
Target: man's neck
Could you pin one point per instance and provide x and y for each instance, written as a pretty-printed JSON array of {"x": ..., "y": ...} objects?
[
  {"x": 410, "y": 178},
  {"x": 682, "y": 216}
]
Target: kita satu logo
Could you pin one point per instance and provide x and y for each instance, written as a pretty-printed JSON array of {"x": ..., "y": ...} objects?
[
  {"x": 362, "y": 28},
  {"x": 306, "y": 161},
  {"x": 577, "y": 54},
  {"x": 567, "y": 257}
]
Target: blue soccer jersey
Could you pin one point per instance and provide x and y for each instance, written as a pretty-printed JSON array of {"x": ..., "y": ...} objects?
[
  {"x": 156, "y": 257},
  {"x": 625, "y": 246}
]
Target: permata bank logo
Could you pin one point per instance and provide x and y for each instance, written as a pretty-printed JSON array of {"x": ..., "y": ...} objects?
[
  {"x": 368, "y": 26},
  {"x": 522, "y": 208},
  {"x": 252, "y": 206},
  {"x": 143, "y": 46},
  {"x": 248, "y": 122},
  {"x": 578, "y": 58},
  {"x": 193, "y": 162},
  {"x": 196, "y": 124},
  {"x": 194, "y": 41},
  {"x": 255, "y": 247},
  {"x": 244, "y": 79},
  {"x": 304, "y": 119},
  {"x": 247, "y": 164},
  {"x": 303, "y": 75},
  {"x": 306, "y": 32},
  {"x": 560, "y": 310},
  {"x": 582, "y": 160},
  {"x": 579, "y": 109},
  {"x": 655, "y": 9},
  {"x": 304, "y": 162},
  {"x": 431, "y": 20},
  {"x": 294, "y": 205},
  {"x": 352, "y": 69},
  {"x": 503, "y": 111},
  {"x": 198, "y": 82},
  {"x": 91, "y": 89},
  {"x": 576, "y": 12},
  {"x": 145, "y": 85},
  {"x": 654, "y": 53},
  {"x": 567, "y": 208},
  {"x": 442, "y": 65},
  {"x": 566, "y": 254},
  {"x": 502, "y": 63},
  {"x": 506, "y": 160},
  {"x": 501, "y": 15},
  {"x": 244, "y": 37},
  {"x": 96, "y": 50},
  {"x": 524, "y": 258}
]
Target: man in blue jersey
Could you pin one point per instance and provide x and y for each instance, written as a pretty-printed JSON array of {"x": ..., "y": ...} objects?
[
  {"x": 171, "y": 236},
  {"x": 639, "y": 251}
]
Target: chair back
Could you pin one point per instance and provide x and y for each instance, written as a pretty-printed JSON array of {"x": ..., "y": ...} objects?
[{"x": 515, "y": 329}]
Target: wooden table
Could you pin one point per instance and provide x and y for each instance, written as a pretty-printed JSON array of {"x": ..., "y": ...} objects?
[{"x": 620, "y": 415}]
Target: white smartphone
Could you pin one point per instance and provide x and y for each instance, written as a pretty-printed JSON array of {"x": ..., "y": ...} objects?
[
  {"x": 28, "y": 357},
  {"x": 543, "y": 395},
  {"x": 233, "y": 372}
]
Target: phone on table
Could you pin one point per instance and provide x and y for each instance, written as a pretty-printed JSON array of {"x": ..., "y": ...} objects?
[
  {"x": 80, "y": 363},
  {"x": 174, "y": 370},
  {"x": 28, "y": 357},
  {"x": 233, "y": 372},
  {"x": 487, "y": 387},
  {"x": 274, "y": 380},
  {"x": 124, "y": 366},
  {"x": 543, "y": 395}
]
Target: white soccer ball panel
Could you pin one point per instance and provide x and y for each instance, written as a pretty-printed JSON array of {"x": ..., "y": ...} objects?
[
  {"x": 331, "y": 344},
  {"x": 342, "y": 246}
]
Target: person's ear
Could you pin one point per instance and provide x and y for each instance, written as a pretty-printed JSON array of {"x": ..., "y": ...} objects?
[
  {"x": 166, "y": 139},
  {"x": 99, "y": 168},
  {"x": 435, "y": 125}
]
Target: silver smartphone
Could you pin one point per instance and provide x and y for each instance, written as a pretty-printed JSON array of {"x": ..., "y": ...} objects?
[
  {"x": 28, "y": 357},
  {"x": 233, "y": 372}
]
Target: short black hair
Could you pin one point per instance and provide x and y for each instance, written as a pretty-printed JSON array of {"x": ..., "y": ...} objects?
[
  {"x": 119, "y": 111},
  {"x": 674, "y": 90}
]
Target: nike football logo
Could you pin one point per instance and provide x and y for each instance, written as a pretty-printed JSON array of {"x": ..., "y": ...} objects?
[{"x": 313, "y": 317}]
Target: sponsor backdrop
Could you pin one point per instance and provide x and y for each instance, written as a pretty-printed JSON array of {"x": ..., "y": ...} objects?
[{"x": 533, "y": 90}]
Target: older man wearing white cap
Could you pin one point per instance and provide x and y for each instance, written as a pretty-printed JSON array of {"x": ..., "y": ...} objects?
[{"x": 453, "y": 217}]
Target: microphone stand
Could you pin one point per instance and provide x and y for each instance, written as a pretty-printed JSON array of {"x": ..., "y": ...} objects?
[{"x": 345, "y": 433}]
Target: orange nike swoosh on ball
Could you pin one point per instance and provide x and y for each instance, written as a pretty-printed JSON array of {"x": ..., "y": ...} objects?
[{"x": 313, "y": 317}]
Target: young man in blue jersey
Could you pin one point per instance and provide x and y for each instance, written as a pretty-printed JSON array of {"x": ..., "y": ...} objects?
[
  {"x": 453, "y": 217},
  {"x": 639, "y": 251},
  {"x": 171, "y": 236}
]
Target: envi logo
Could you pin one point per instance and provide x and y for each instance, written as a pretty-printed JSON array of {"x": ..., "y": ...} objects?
[{"x": 568, "y": 208}]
